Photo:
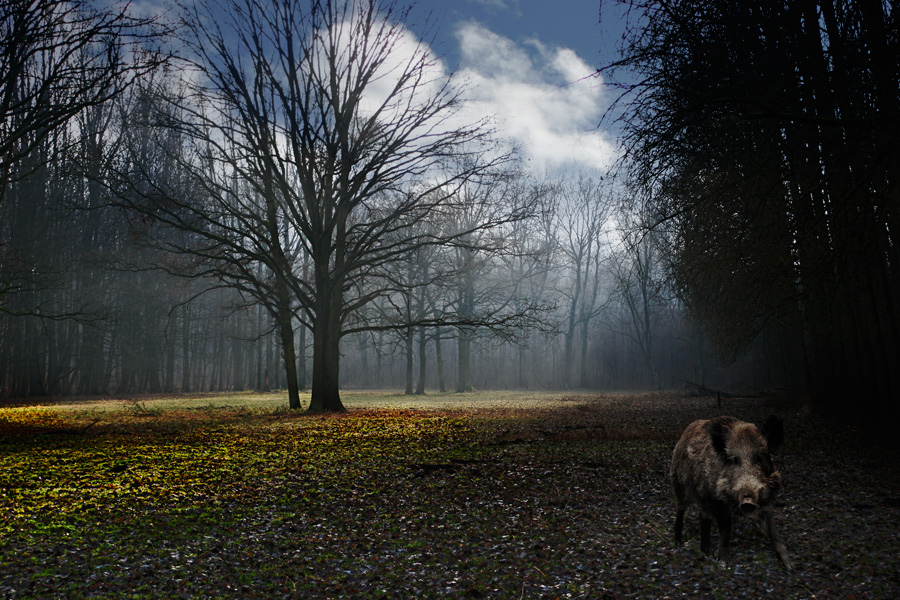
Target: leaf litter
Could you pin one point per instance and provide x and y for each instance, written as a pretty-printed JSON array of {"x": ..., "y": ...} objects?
[{"x": 570, "y": 501}]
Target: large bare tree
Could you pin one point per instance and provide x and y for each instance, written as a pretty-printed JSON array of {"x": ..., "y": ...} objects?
[{"x": 340, "y": 134}]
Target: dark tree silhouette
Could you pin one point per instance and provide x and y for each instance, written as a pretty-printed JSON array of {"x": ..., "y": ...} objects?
[{"x": 766, "y": 135}]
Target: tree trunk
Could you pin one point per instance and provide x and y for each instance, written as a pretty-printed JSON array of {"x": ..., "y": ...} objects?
[
  {"x": 325, "y": 395},
  {"x": 286, "y": 330},
  {"x": 169, "y": 383},
  {"x": 301, "y": 353},
  {"x": 260, "y": 346},
  {"x": 439, "y": 357},
  {"x": 185, "y": 349},
  {"x": 364, "y": 360},
  {"x": 237, "y": 350},
  {"x": 285, "y": 325},
  {"x": 701, "y": 364},
  {"x": 379, "y": 361},
  {"x": 523, "y": 381},
  {"x": 215, "y": 365},
  {"x": 583, "y": 377},
  {"x": 464, "y": 362},
  {"x": 301, "y": 359},
  {"x": 423, "y": 340},
  {"x": 409, "y": 360},
  {"x": 269, "y": 366},
  {"x": 92, "y": 357},
  {"x": 569, "y": 341}
]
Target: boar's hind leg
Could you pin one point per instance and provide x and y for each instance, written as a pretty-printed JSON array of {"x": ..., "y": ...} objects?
[
  {"x": 780, "y": 548},
  {"x": 681, "y": 504},
  {"x": 679, "y": 523}
]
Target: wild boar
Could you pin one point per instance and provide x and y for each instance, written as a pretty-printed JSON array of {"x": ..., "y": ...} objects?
[{"x": 724, "y": 466}]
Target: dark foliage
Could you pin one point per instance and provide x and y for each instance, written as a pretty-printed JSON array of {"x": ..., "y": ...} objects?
[{"x": 766, "y": 136}]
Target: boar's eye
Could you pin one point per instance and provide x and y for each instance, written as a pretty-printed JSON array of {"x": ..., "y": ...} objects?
[{"x": 734, "y": 460}]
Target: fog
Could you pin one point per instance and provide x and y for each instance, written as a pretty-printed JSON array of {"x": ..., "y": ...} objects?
[{"x": 92, "y": 310}]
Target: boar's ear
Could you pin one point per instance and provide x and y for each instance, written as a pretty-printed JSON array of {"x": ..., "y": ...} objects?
[
  {"x": 773, "y": 431},
  {"x": 718, "y": 434}
]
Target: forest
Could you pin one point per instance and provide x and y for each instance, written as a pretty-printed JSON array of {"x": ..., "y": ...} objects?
[{"x": 200, "y": 204}]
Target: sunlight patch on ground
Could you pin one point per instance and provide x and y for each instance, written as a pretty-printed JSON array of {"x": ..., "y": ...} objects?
[{"x": 352, "y": 399}]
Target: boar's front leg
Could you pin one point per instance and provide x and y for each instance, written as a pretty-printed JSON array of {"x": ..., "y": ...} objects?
[
  {"x": 679, "y": 524},
  {"x": 705, "y": 526},
  {"x": 780, "y": 548},
  {"x": 724, "y": 521}
]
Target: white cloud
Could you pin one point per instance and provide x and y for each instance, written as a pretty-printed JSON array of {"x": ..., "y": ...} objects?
[
  {"x": 545, "y": 100},
  {"x": 495, "y": 4},
  {"x": 542, "y": 100}
]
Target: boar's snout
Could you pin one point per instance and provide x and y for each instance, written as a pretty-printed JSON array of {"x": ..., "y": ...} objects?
[
  {"x": 748, "y": 506},
  {"x": 748, "y": 501}
]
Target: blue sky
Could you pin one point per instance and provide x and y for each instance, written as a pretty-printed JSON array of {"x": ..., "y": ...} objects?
[
  {"x": 574, "y": 24},
  {"x": 531, "y": 64}
]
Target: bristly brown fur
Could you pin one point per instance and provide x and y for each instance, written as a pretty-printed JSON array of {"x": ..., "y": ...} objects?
[{"x": 724, "y": 466}]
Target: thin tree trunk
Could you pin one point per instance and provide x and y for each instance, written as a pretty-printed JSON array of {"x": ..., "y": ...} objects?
[
  {"x": 420, "y": 387},
  {"x": 260, "y": 345},
  {"x": 364, "y": 360},
  {"x": 290, "y": 360},
  {"x": 237, "y": 354},
  {"x": 269, "y": 364},
  {"x": 286, "y": 329},
  {"x": 301, "y": 359},
  {"x": 523, "y": 381},
  {"x": 583, "y": 363},
  {"x": 379, "y": 361},
  {"x": 569, "y": 341},
  {"x": 464, "y": 360},
  {"x": 408, "y": 342},
  {"x": 185, "y": 349},
  {"x": 442, "y": 383},
  {"x": 169, "y": 378},
  {"x": 301, "y": 350}
]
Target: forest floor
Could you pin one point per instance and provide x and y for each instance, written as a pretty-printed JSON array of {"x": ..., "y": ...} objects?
[{"x": 486, "y": 495}]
